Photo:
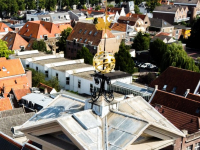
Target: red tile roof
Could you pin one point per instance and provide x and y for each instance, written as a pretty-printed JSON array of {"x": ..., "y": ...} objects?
[
  {"x": 19, "y": 93},
  {"x": 65, "y": 26},
  {"x": 14, "y": 41},
  {"x": 162, "y": 33},
  {"x": 12, "y": 67},
  {"x": 136, "y": 16},
  {"x": 49, "y": 89},
  {"x": 176, "y": 77},
  {"x": 119, "y": 27},
  {"x": 5, "y": 104},
  {"x": 179, "y": 119},
  {"x": 114, "y": 9},
  {"x": 82, "y": 31},
  {"x": 125, "y": 20},
  {"x": 177, "y": 102},
  {"x": 3, "y": 26},
  {"x": 37, "y": 29}
]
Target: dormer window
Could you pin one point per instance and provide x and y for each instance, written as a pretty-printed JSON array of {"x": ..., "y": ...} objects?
[
  {"x": 164, "y": 87},
  {"x": 174, "y": 89},
  {"x": 45, "y": 37}
]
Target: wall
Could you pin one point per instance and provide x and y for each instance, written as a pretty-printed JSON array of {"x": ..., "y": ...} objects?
[
  {"x": 168, "y": 29},
  {"x": 29, "y": 77}
]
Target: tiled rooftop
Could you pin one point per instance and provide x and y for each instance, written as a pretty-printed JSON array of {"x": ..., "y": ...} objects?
[{"x": 19, "y": 93}]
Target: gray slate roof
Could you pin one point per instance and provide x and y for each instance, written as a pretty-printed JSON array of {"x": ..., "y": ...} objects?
[
  {"x": 11, "y": 121},
  {"x": 12, "y": 112},
  {"x": 186, "y": 1},
  {"x": 167, "y": 8},
  {"x": 159, "y": 23}
]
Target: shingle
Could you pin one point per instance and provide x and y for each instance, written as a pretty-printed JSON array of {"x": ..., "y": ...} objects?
[
  {"x": 176, "y": 102},
  {"x": 187, "y": 1},
  {"x": 3, "y": 26},
  {"x": 176, "y": 77},
  {"x": 136, "y": 16},
  {"x": 119, "y": 27}
]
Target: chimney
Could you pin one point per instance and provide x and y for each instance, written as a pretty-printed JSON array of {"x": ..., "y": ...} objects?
[
  {"x": 188, "y": 90},
  {"x": 156, "y": 87}
]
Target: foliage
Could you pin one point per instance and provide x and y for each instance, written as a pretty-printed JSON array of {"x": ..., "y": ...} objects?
[
  {"x": 38, "y": 77},
  {"x": 95, "y": 21},
  {"x": 84, "y": 7},
  {"x": 171, "y": 55},
  {"x": 4, "y": 52},
  {"x": 124, "y": 62},
  {"x": 136, "y": 9},
  {"x": 151, "y": 4},
  {"x": 193, "y": 40},
  {"x": 50, "y": 4},
  {"x": 110, "y": 5},
  {"x": 118, "y": 1},
  {"x": 147, "y": 79},
  {"x": 137, "y": 2},
  {"x": 157, "y": 49},
  {"x": 141, "y": 42},
  {"x": 98, "y": 7},
  {"x": 86, "y": 55},
  {"x": 62, "y": 41},
  {"x": 40, "y": 46}
]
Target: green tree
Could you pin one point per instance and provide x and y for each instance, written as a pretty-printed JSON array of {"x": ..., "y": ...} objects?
[
  {"x": 95, "y": 21},
  {"x": 110, "y": 5},
  {"x": 21, "y": 4},
  {"x": 4, "y": 52},
  {"x": 151, "y": 4},
  {"x": 62, "y": 41},
  {"x": 136, "y": 9},
  {"x": 124, "y": 62},
  {"x": 40, "y": 46},
  {"x": 194, "y": 38},
  {"x": 98, "y": 7},
  {"x": 84, "y": 7},
  {"x": 41, "y": 4},
  {"x": 141, "y": 42},
  {"x": 85, "y": 54},
  {"x": 137, "y": 2},
  {"x": 50, "y": 4},
  {"x": 54, "y": 83},
  {"x": 30, "y": 4},
  {"x": 157, "y": 49}
]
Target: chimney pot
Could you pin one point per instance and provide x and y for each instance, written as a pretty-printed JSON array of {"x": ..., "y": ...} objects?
[{"x": 156, "y": 87}]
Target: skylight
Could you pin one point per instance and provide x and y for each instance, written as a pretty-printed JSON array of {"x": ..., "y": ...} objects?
[
  {"x": 6, "y": 38},
  {"x": 95, "y": 33},
  {"x": 80, "y": 39},
  {"x": 90, "y": 32},
  {"x": 164, "y": 87},
  {"x": 174, "y": 89},
  {"x": 30, "y": 35},
  {"x": 80, "y": 30},
  {"x": 10, "y": 39},
  {"x": 85, "y": 31},
  {"x": 85, "y": 41}
]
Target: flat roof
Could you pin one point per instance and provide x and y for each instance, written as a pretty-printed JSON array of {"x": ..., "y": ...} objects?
[
  {"x": 86, "y": 75},
  {"x": 31, "y": 55},
  {"x": 71, "y": 67},
  {"x": 51, "y": 60}
]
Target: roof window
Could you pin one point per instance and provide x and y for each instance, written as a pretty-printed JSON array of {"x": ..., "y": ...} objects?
[
  {"x": 174, "y": 89},
  {"x": 6, "y": 38},
  {"x": 27, "y": 25},
  {"x": 85, "y": 41},
  {"x": 29, "y": 44},
  {"x": 30, "y": 35},
  {"x": 85, "y": 31},
  {"x": 95, "y": 33},
  {"x": 80, "y": 39},
  {"x": 10, "y": 39},
  {"x": 80, "y": 30},
  {"x": 198, "y": 110},
  {"x": 90, "y": 32},
  {"x": 164, "y": 87},
  {"x": 10, "y": 46}
]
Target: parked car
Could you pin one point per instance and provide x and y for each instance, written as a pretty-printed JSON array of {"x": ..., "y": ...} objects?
[{"x": 144, "y": 65}]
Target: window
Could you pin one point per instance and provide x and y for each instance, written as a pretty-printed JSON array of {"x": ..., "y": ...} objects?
[
  {"x": 90, "y": 32},
  {"x": 95, "y": 47},
  {"x": 10, "y": 39},
  {"x": 6, "y": 38},
  {"x": 95, "y": 33},
  {"x": 189, "y": 147},
  {"x": 72, "y": 50},
  {"x": 47, "y": 74},
  {"x": 80, "y": 30},
  {"x": 37, "y": 69},
  {"x": 79, "y": 83},
  {"x": 29, "y": 45},
  {"x": 85, "y": 31},
  {"x": 197, "y": 146},
  {"x": 67, "y": 80},
  {"x": 91, "y": 87},
  {"x": 85, "y": 41},
  {"x": 146, "y": 22},
  {"x": 80, "y": 39},
  {"x": 22, "y": 48},
  {"x": 57, "y": 75},
  {"x": 198, "y": 110},
  {"x": 174, "y": 89},
  {"x": 27, "y": 66},
  {"x": 32, "y": 19},
  {"x": 68, "y": 43},
  {"x": 10, "y": 46},
  {"x": 30, "y": 35},
  {"x": 176, "y": 31},
  {"x": 45, "y": 37},
  {"x": 27, "y": 25},
  {"x": 164, "y": 87}
]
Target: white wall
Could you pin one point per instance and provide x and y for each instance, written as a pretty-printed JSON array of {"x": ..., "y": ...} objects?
[{"x": 29, "y": 16}]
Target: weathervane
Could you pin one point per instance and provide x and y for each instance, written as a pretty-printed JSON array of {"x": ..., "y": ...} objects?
[{"x": 103, "y": 63}]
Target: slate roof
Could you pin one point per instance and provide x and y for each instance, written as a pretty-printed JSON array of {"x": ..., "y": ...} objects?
[
  {"x": 186, "y": 1},
  {"x": 83, "y": 31},
  {"x": 3, "y": 26},
  {"x": 14, "y": 119},
  {"x": 176, "y": 102},
  {"x": 181, "y": 120},
  {"x": 119, "y": 27},
  {"x": 193, "y": 97},
  {"x": 19, "y": 93},
  {"x": 14, "y": 41},
  {"x": 12, "y": 67},
  {"x": 159, "y": 23},
  {"x": 141, "y": 16},
  {"x": 37, "y": 29},
  {"x": 168, "y": 8},
  {"x": 176, "y": 77}
]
